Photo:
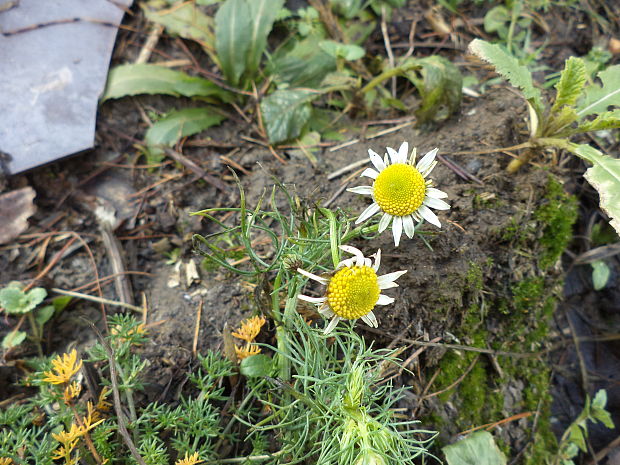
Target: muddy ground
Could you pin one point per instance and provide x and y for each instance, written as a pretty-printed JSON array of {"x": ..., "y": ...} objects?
[{"x": 492, "y": 281}]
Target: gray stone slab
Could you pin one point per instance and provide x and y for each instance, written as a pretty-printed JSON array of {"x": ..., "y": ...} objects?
[{"x": 51, "y": 77}]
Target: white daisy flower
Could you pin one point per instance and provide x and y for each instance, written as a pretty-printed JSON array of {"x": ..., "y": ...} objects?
[
  {"x": 353, "y": 290},
  {"x": 401, "y": 191}
]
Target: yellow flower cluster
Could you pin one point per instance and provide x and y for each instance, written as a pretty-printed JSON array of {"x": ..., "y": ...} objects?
[
  {"x": 189, "y": 460},
  {"x": 65, "y": 366},
  {"x": 69, "y": 439},
  {"x": 6, "y": 461},
  {"x": 250, "y": 328}
]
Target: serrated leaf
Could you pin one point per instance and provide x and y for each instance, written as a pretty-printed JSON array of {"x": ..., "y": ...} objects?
[
  {"x": 258, "y": 365},
  {"x": 559, "y": 121},
  {"x": 15, "y": 301},
  {"x": 598, "y": 99},
  {"x": 232, "y": 38},
  {"x": 185, "y": 20},
  {"x": 570, "y": 85},
  {"x": 14, "y": 338},
  {"x": 600, "y": 274},
  {"x": 125, "y": 80},
  {"x": 477, "y": 449},
  {"x": 348, "y": 52},
  {"x": 606, "y": 120},
  {"x": 604, "y": 176},
  {"x": 286, "y": 112},
  {"x": 304, "y": 65},
  {"x": 440, "y": 88},
  {"x": 509, "y": 67},
  {"x": 177, "y": 124},
  {"x": 263, "y": 14}
]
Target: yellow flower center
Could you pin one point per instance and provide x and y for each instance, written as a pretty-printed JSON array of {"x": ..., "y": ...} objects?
[
  {"x": 399, "y": 189},
  {"x": 353, "y": 291}
]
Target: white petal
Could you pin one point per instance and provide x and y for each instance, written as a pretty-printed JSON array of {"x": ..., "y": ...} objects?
[
  {"x": 370, "y": 319},
  {"x": 426, "y": 161},
  {"x": 403, "y": 151},
  {"x": 377, "y": 260},
  {"x": 307, "y": 274},
  {"x": 371, "y": 210},
  {"x": 387, "y": 280},
  {"x": 384, "y": 300},
  {"x": 435, "y": 193},
  {"x": 408, "y": 226},
  {"x": 436, "y": 204},
  {"x": 414, "y": 154},
  {"x": 370, "y": 173},
  {"x": 394, "y": 155},
  {"x": 326, "y": 311},
  {"x": 429, "y": 216},
  {"x": 348, "y": 262},
  {"x": 384, "y": 222},
  {"x": 364, "y": 190},
  {"x": 416, "y": 216},
  {"x": 352, "y": 250},
  {"x": 368, "y": 262},
  {"x": 332, "y": 324},
  {"x": 376, "y": 160},
  {"x": 428, "y": 170},
  {"x": 397, "y": 229},
  {"x": 314, "y": 300}
]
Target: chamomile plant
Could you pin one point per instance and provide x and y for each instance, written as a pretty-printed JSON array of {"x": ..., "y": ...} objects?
[{"x": 287, "y": 248}]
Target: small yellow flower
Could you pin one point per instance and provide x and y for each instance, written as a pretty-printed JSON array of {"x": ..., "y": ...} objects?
[
  {"x": 189, "y": 460},
  {"x": 6, "y": 461},
  {"x": 65, "y": 366},
  {"x": 246, "y": 351},
  {"x": 354, "y": 290},
  {"x": 72, "y": 391},
  {"x": 67, "y": 437},
  {"x": 250, "y": 328}
]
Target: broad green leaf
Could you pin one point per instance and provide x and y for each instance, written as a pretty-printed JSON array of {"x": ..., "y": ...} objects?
[
  {"x": 347, "y": 8},
  {"x": 185, "y": 20},
  {"x": 61, "y": 302},
  {"x": 509, "y": 67},
  {"x": 600, "y": 274},
  {"x": 604, "y": 176},
  {"x": 606, "y": 120},
  {"x": 263, "y": 14},
  {"x": 286, "y": 112},
  {"x": 14, "y": 338},
  {"x": 597, "y": 98},
  {"x": 16, "y": 301},
  {"x": 304, "y": 65},
  {"x": 600, "y": 399},
  {"x": 496, "y": 20},
  {"x": 138, "y": 79},
  {"x": 440, "y": 86},
  {"x": 477, "y": 449},
  {"x": 176, "y": 125},
  {"x": 233, "y": 34},
  {"x": 42, "y": 315},
  {"x": 258, "y": 365},
  {"x": 348, "y": 52},
  {"x": 571, "y": 83}
]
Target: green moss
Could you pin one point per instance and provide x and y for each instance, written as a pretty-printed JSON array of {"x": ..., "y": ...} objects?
[
  {"x": 473, "y": 279},
  {"x": 557, "y": 213}
]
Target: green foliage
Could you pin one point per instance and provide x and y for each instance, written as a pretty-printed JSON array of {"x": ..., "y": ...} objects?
[
  {"x": 600, "y": 274},
  {"x": 476, "y": 449},
  {"x": 286, "y": 113},
  {"x": 15, "y": 301},
  {"x": 176, "y": 125},
  {"x": 573, "y": 102},
  {"x": 440, "y": 84},
  {"x": 136, "y": 79},
  {"x": 574, "y": 438},
  {"x": 241, "y": 30}
]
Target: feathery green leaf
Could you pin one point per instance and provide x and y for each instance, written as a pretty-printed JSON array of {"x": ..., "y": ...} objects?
[
  {"x": 571, "y": 83},
  {"x": 509, "y": 67}
]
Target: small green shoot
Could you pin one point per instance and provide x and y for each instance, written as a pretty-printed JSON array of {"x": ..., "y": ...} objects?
[{"x": 553, "y": 126}]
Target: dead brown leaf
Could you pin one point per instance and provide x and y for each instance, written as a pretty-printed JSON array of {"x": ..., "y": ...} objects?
[{"x": 15, "y": 209}]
